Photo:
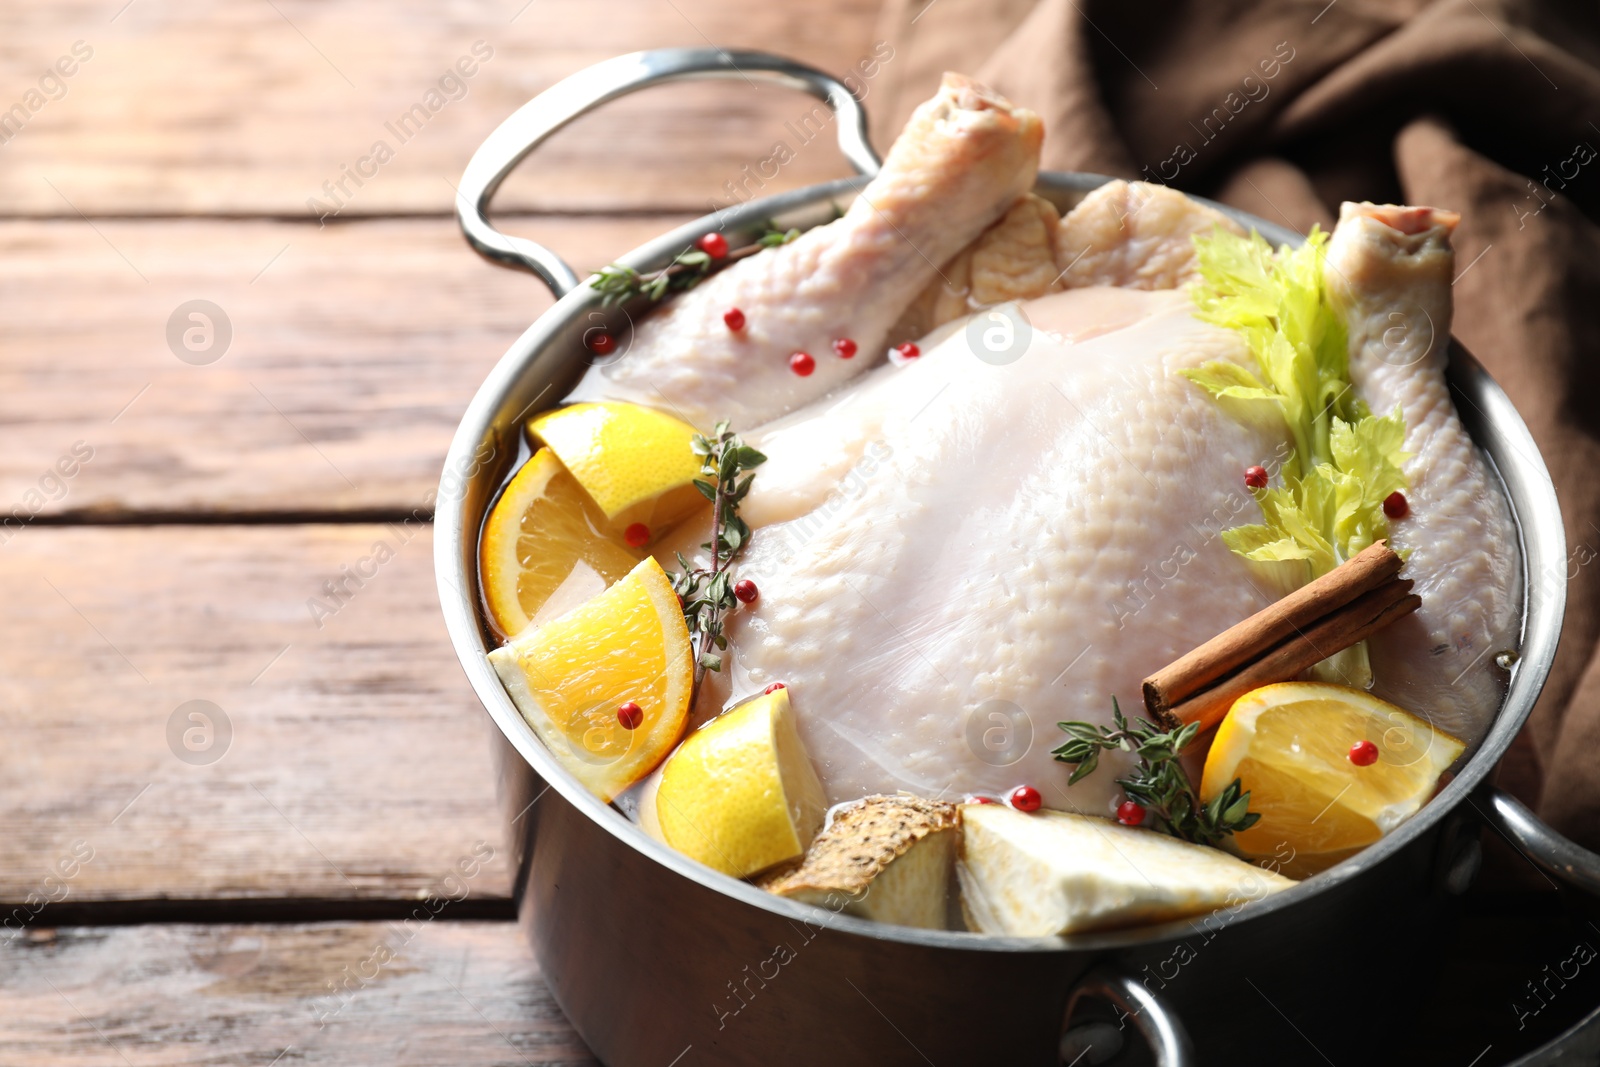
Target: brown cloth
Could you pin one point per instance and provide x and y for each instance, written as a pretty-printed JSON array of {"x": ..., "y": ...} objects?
[{"x": 1286, "y": 108}]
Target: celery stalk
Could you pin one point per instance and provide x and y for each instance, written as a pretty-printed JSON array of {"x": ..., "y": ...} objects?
[{"x": 1327, "y": 504}]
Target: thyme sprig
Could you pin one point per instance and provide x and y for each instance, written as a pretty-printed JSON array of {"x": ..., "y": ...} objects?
[
  {"x": 707, "y": 592},
  {"x": 617, "y": 282},
  {"x": 1159, "y": 783}
]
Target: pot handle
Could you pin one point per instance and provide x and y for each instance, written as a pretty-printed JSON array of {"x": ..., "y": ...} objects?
[
  {"x": 1547, "y": 850},
  {"x": 1161, "y": 1029},
  {"x": 579, "y": 93}
]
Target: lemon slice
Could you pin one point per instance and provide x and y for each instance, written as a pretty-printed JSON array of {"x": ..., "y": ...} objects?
[
  {"x": 1290, "y": 745},
  {"x": 634, "y": 462},
  {"x": 570, "y": 676},
  {"x": 740, "y": 793},
  {"x": 544, "y": 547}
]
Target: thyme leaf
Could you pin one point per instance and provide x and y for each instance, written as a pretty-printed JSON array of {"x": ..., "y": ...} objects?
[
  {"x": 688, "y": 268},
  {"x": 707, "y": 593},
  {"x": 1158, "y": 783}
]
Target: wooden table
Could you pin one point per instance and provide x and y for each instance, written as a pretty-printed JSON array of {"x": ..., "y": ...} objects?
[
  {"x": 189, "y": 889},
  {"x": 216, "y": 905}
]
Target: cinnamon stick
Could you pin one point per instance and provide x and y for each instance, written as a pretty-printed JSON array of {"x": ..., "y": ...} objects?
[
  {"x": 1289, "y": 617},
  {"x": 1353, "y": 622}
]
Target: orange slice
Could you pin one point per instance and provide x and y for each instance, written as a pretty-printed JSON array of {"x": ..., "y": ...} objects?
[
  {"x": 544, "y": 547},
  {"x": 1290, "y": 747},
  {"x": 570, "y": 676}
]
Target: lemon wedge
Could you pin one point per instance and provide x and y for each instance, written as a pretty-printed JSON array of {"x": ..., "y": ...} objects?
[
  {"x": 546, "y": 547},
  {"x": 636, "y": 463},
  {"x": 740, "y": 793},
  {"x": 1293, "y": 746},
  {"x": 570, "y": 676}
]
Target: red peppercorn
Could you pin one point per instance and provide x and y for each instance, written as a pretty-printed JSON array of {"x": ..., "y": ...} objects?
[
  {"x": 714, "y": 245},
  {"x": 734, "y": 318},
  {"x": 845, "y": 347},
  {"x": 909, "y": 350},
  {"x": 774, "y": 687},
  {"x": 746, "y": 591},
  {"x": 630, "y": 715},
  {"x": 1363, "y": 753},
  {"x": 1129, "y": 813},
  {"x": 802, "y": 364},
  {"x": 1255, "y": 477},
  {"x": 1395, "y": 505},
  {"x": 637, "y": 535},
  {"x": 977, "y": 799},
  {"x": 1026, "y": 798},
  {"x": 600, "y": 342}
]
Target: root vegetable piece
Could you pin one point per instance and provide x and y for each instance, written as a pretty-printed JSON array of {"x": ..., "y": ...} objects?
[
  {"x": 890, "y": 857},
  {"x": 1054, "y": 873}
]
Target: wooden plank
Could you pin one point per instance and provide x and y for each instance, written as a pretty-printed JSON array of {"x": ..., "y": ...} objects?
[
  {"x": 356, "y": 763},
  {"x": 454, "y": 994},
  {"x": 354, "y": 350},
  {"x": 251, "y": 108},
  {"x": 469, "y": 994}
]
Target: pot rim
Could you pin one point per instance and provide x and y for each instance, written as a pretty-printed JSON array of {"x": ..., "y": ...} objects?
[{"x": 1492, "y": 422}]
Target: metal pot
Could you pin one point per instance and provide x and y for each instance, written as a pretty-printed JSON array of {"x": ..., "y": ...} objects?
[{"x": 658, "y": 960}]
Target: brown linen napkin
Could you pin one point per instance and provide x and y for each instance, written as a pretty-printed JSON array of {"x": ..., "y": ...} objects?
[{"x": 1285, "y": 108}]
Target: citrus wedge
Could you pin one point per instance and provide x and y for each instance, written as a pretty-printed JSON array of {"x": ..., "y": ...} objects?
[
  {"x": 570, "y": 676},
  {"x": 634, "y": 462},
  {"x": 1290, "y": 745},
  {"x": 545, "y": 537},
  {"x": 740, "y": 793}
]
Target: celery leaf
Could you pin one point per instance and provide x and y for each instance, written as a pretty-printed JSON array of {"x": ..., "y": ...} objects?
[{"x": 1329, "y": 505}]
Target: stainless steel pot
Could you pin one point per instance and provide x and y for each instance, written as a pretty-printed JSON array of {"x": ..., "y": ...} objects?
[{"x": 658, "y": 960}]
